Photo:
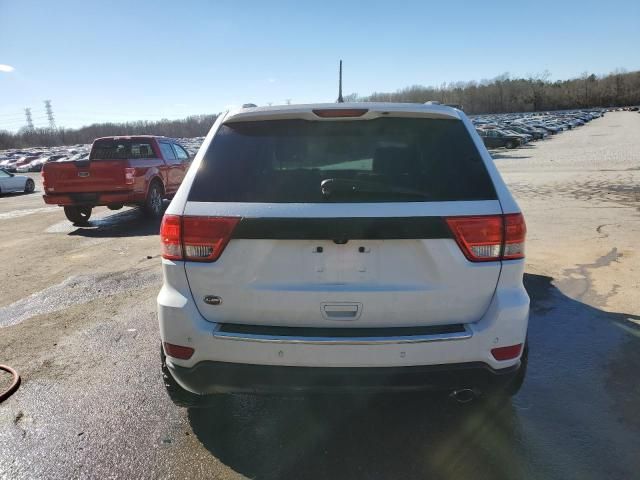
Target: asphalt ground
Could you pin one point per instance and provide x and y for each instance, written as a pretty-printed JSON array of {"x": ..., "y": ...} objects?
[{"x": 77, "y": 319}]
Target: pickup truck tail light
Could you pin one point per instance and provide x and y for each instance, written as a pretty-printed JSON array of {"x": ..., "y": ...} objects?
[
  {"x": 129, "y": 176},
  {"x": 195, "y": 238},
  {"x": 486, "y": 238}
]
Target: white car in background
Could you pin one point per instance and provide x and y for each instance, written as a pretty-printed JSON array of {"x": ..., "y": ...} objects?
[{"x": 10, "y": 182}]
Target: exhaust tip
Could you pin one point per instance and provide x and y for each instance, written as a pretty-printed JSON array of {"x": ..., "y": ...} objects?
[{"x": 463, "y": 395}]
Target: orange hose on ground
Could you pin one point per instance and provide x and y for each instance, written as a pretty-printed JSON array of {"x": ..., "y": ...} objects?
[{"x": 14, "y": 384}]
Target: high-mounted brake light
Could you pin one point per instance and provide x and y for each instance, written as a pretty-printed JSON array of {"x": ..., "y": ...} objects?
[
  {"x": 196, "y": 239},
  {"x": 340, "y": 112},
  {"x": 487, "y": 238}
]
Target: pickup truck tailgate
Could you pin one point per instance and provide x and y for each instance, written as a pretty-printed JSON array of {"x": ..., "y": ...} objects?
[{"x": 86, "y": 176}]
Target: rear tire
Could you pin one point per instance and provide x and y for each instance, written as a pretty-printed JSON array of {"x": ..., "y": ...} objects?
[
  {"x": 29, "y": 186},
  {"x": 78, "y": 215},
  {"x": 181, "y": 397},
  {"x": 153, "y": 203}
]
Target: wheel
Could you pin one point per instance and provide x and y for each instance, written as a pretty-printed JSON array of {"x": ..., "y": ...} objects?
[
  {"x": 79, "y": 215},
  {"x": 115, "y": 206},
  {"x": 29, "y": 186},
  {"x": 153, "y": 203},
  {"x": 182, "y": 397},
  {"x": 511, "y": 144}
]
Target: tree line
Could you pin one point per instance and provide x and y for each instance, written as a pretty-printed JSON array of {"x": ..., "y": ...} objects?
[
  {"x": 501, "y": 94},
  {"x": 504, "y": 94},
  {"x": 193, "y": 126}
]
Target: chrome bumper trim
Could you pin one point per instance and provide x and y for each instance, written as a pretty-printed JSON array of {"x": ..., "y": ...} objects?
[{"x": 287, "y": 339}]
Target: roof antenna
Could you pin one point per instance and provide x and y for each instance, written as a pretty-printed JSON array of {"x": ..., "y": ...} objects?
[{"x": 340, "y": 99}]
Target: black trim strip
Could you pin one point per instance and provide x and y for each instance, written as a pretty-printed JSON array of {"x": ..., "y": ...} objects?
[
  {"x": 219, "y": 377},
  {"x": 323, "y": 332},
  {"x": 343, "y": 228}
]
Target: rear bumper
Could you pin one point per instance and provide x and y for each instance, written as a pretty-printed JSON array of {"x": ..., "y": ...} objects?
[
  {"x": 379, "y": 362},
  {"x": 92, "y": 199},
  {"x": 209, "y": 377}
]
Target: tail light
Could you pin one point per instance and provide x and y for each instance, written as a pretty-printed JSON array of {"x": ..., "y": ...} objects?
[
  {"x": 129, "y": 176},
  {"x": 489, "y": 238},
  {"x": 196, "y": 239},
  {"x": 515, "y": 231},
  {"x": 170, "y": 237}
]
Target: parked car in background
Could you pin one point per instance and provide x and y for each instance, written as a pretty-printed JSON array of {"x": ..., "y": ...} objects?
[
  {"x": 494, "y": 138},
  {"x": 133, "y": 170},
  {"x": 36, "y": 164},
  {"x": 10, "y": 182},
  {"x": 533, "y": 133}
]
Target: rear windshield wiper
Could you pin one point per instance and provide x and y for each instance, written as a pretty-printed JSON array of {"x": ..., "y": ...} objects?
[{"x": 332, "y": 186}]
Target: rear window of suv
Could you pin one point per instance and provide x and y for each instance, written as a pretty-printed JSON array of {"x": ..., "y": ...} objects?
[
  {"x": 381, "y": 160},
  {"x": 121, "y": 150}
]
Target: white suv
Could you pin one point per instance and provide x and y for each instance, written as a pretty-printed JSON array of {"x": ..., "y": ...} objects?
[{"x": 343, "y": 246}]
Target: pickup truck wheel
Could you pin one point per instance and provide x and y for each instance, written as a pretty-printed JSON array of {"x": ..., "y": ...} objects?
[
  {"x": 79, "y": 215},
  {"x": 29, "y": 186},
  {"x": 153, "y": 203}
]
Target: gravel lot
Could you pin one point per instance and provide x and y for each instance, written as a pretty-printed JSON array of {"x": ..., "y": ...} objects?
[{"x": 77, "y": 318}]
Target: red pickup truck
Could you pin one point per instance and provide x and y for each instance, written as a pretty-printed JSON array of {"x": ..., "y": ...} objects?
[{"x": 138, "y": 170}]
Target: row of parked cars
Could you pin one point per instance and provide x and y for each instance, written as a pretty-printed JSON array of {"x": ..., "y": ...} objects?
[
  {"x": 512, "y": 130},
  {"x": 33, "y": 159}
]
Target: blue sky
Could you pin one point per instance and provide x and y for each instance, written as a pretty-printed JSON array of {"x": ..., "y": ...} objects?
[{"x": 127, "y": 60}]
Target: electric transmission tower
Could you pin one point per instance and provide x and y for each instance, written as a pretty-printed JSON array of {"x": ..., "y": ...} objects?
[
  {"x": 27, "y": 113},
  {"x": 52, "y": 121}
]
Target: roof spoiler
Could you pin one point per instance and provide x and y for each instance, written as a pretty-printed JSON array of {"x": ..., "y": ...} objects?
[{"x": 452, "y": 105}]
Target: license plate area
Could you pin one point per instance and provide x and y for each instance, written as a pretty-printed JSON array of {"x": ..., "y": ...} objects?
[
  {"x": 354, "y": 261},
  {"x": 84, "y": 197}
]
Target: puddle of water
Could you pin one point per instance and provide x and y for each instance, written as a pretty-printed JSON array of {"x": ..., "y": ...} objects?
[{"x": 76, "y": 290}]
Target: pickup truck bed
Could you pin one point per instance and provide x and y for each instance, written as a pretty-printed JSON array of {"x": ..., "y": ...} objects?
[{"x": 139, "y": 170}]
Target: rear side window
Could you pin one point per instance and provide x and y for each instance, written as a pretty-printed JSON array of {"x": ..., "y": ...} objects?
[
  {"x": 181, "y": 153},
  {"x": 167, "y": 151},
  {"x": 121, "y": 150},
  {"x": 381, "y": 160}
]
